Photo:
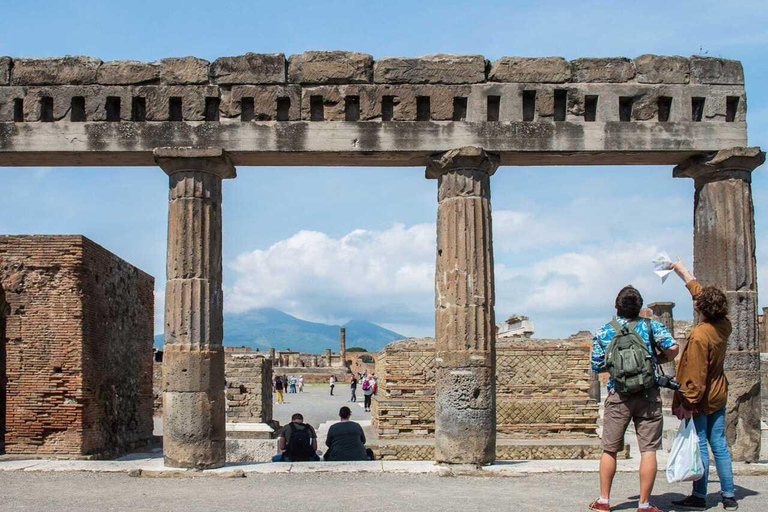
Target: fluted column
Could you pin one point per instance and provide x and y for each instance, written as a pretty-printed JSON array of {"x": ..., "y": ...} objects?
[
  {"x": 663, "y": 312},
  {"x": 465, "y": 328},
  {"x": 193, "y": 362},
  {"x": 724, "y": 256}
]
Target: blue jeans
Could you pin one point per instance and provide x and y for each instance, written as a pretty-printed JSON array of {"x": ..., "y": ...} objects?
[{"x": 711, "y": 428}]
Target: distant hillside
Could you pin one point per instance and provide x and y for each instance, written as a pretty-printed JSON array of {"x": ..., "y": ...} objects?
[{"x": 265, "y": 328}]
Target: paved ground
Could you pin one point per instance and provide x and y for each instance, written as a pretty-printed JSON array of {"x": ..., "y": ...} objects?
[
  {"x": 85, "y": 492},
  {"x": 317, "y": 406}
]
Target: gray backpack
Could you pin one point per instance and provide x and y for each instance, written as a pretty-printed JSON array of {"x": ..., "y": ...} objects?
[{"x": 628, "y": 360}]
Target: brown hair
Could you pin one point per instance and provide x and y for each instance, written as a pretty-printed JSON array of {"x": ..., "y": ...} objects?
[
  {"x": 629, "y": 302},
  {"x": 711, "y": 303}
]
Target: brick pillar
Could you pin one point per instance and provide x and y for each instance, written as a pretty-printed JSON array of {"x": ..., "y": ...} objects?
[
  {"x": 662, "y": 312},
  {"x": 724, "y": 256},
  {"x": 465, "y": 329},
  {"x": 193, "y": 361}
]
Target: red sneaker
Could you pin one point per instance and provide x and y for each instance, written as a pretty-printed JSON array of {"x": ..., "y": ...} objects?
[
  {"x": 649, "y": 509},
  {"x": 599, "y": 507}
]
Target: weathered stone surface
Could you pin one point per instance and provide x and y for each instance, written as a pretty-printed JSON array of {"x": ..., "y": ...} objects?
[
  {"x": 465, "y": 412},
  {"x": 662, "y": 69},
  {"x": 184, "y": 70},
  {"x": 128, "y": 72},
  {"x": 251, "y": 450},
  {"x": 194, "y": 429},
  {"x": 265, "y": 99},
  {"x": 55, "y": 71},
  {"x": 742, "y": 415},
  {"x": 5, "y": 70},
  {"x": 609, "y": 70},
  {"x": 710, "y": 70},
  {"x": 334, "y": 67},
  {"x": 95, "y": 101},
  {"x": 188, "y": 368},
  {"x": 431, "y": 69},
  {"x": 158, "y": 100},
  {"x": 555, "y": 70},
  {"x": 251, "y": 68}
]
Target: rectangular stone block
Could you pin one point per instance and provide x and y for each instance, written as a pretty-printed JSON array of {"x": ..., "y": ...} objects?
[
  {"x": 251, "y": 68},
  {"x": 608, "y": 70},
  {"x": 334, "y": 67},
  {"x": 184, "y": 71},
  {"x": 5, "y": 70},
  {"x": 710, "y": 70},
  {"x": 7, "y": 95},
  {"x": 265, "y": 101},
  {"x": 192, "y": 100},
  {"x": 95, "y": 101},
  {"x": 530, "y": 70},
  {"x": 662, "y": 69},
  {"x": 431, "y": 69},
  {"x": 55, "y": 71},
  {"x": 128, "y": 72},
  {"x": 188, "y": 368}
]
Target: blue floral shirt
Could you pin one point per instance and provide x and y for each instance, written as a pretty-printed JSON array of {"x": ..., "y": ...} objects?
[{"x": 604, "y": 335}]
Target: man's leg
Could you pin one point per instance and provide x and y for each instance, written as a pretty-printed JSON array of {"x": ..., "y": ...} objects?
[
  {"x": 607, "y": 472},
  {"x": 648, "y": 469}
]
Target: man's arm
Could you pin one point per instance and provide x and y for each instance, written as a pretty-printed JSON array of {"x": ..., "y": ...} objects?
[
  {"x": 314, "y": 438},
  {"x": 598, "y": 352},
  {"x": 362, "y": 434},
  {"x": 664, "y": 341},
  {"x": 281, "y": 441}
]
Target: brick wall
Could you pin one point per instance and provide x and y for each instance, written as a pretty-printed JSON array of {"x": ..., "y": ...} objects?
[
  {"x": 75, "y": 373},
  {"x": 542, "y": 389},
  {"x": 249, "y": 388}
]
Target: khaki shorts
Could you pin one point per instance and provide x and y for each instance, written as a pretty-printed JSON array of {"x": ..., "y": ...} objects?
[{"x": 644, "y": 411}]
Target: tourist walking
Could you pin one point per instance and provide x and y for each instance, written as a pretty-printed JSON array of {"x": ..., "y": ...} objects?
[
  {"x": 346, "y": 440},
  {"x": 297, "y": 442},
  {"x": 367, "y": 392},
  {"x": 625, "y": 348},
  {"x": 279, "y": 391},
  {"x": 332, "y": 383},
  {"x": 353, "y": 387},
  {"x": 704, "y": 388},
  {"x": 301, "y": 383}
]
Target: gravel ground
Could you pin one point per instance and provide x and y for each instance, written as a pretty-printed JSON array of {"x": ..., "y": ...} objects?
[
  {"x": 317, "y": 406},
  {"x": 84, "y": 492}
]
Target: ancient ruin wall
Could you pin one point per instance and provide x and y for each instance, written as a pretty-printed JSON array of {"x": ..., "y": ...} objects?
[
  {"x": 77, "y": 382},
  {"x": 249, "y": 388},
  {"x": 542, "y": 389}
]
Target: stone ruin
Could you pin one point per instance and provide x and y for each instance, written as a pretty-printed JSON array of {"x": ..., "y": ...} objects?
[
  {"x": 460, "y": 118},
  {"x": 77, "y": 340},
  {"x": 543, "y": 407}
]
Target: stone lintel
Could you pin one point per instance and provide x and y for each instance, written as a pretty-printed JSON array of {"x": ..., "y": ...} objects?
[
  {"x": 738, "y": 162},
  {"x": 661, "y": 305},
  {"x": 466, "y": 158},
  {"x": 185, "y": 159}
]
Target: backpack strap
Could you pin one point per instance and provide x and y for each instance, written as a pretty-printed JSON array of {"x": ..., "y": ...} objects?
[{"x": 618, "y": 329}]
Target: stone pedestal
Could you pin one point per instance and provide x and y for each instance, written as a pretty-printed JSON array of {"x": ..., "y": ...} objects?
[
  {"x": 465, "y": 328},
  {"x": 193, "y": 363},
  {"x": 662, "y": 312},
  {"x": 724, "y": 256}
]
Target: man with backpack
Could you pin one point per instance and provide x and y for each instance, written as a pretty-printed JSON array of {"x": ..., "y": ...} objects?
[
  {"x": 626, "y": 347},
  {"x": 297, "y": 442}
]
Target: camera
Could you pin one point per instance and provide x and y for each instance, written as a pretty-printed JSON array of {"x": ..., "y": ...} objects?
[{"x": 668, "y": 382}]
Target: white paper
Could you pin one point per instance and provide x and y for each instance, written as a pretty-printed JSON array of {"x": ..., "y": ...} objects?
[{"x": 662, "y": 265}]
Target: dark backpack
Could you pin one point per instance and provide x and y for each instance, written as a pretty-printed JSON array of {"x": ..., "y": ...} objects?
[
  {"x": 628, "y": 360},
  {"x": 300, "y": 444}
]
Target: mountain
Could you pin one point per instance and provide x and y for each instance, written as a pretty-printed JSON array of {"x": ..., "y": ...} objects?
[{"x": 267, "y": 327}]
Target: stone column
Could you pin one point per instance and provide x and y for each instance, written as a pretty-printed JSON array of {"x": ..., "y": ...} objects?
[
  {"x": 328, "y": 357},
  {"x": 763, "y": 328},
  {"x": 272, "y": 354},
  {"x": 724, "y": 256},
  {"x": 662, "y": 312},
  {"x": 193, "y": 363},
  {"x": 343, "y": 346},
  {"x": 465, "y": 329}
]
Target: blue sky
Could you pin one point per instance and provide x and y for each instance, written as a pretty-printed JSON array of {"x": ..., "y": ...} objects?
[{"x": 332, "y": 244}]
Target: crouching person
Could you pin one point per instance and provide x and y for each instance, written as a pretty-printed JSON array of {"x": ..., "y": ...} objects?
[
  {"x": 626, "y": 348},
  {"x": 297, "y": 442}
]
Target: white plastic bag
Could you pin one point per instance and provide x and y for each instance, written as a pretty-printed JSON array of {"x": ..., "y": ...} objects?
[{"x": 684, "y": 463}]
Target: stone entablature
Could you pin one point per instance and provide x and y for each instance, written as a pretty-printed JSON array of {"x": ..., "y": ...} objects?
[{"x": 542, "y": 389}]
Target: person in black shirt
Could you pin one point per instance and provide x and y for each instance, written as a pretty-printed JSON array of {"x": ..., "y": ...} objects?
[
  {"x": 353, "y": 387},
  {"x": 346, "y": 440},
  {"x": 297, "y": 442}
]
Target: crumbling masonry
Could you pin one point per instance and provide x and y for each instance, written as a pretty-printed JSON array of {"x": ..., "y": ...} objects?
[{"x": 460, "y": 117}]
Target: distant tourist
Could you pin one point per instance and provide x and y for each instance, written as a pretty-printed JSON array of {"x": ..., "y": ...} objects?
[
  {"x": 301, "y": 383},
  {"x": 285, "y": 383},
  {"x": 293, "y": 380},
  {"x": 375, "y": 384},
  {"x": 346, "y": 440},
  {"x": 279, "y": 391},
  {"x": 297, "y": 442},
  {"x": 332, "y": 383},
  {"x": 625, "y": 348},
  {"x": 367, "y": 392},
  {"x": 353, "y": 387},
  {"x": 704, "y": 388}
]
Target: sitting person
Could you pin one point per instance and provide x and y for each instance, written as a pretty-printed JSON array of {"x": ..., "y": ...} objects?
[
  {"x": 297, "y": 442},
  {"x": 346, "y": 440}
]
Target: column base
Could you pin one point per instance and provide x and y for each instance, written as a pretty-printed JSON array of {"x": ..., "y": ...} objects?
[{"x": 194, "y": 429}]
